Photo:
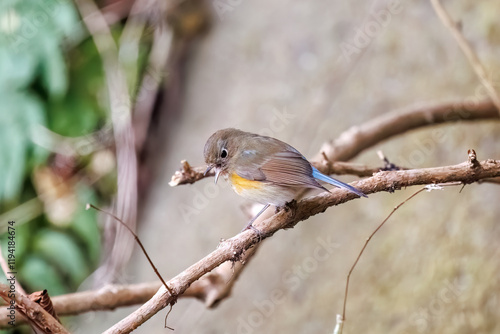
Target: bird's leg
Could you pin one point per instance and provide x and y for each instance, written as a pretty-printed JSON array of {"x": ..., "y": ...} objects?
[{"x": 250, "y": 226}]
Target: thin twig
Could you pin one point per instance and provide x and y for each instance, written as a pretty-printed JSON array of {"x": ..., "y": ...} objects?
[
  {"x": 215, "y": 287},
  {"x": 429, "y": 187},
  {"x": 366, "y": 244},
  {"x": 138, "y": 242},
  {"x": 467, "y": 50},
  {"x": 339, "y": 325},
  {"x": 231, "y": 249}
]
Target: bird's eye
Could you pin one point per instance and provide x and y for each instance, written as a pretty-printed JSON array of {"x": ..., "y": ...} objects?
[{"x": 223, "y": 153}]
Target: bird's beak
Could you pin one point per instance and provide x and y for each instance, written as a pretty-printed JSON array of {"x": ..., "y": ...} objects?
[
  {"x": 217, "y": 172},
  {"x": 209, "y": 168}
]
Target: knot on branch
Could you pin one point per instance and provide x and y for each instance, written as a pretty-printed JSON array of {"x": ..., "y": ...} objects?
[
  {"x": 388, "y": 166},
  {"x": 473, "y": 159}
]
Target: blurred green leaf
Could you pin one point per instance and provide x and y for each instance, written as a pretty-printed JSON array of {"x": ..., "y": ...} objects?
[
  {"x": 66, "y": 19},
  {"x": 79, "y": 113},
  {"x": 30, "y": 41},
  {"x": 37, "y": 274},
  {"x": 18, "y": 70},
  {"x": 20, "y": 113},
  {"x": 73, "y": 116},
  {"x": 62, "y": 252},
  {"x": 53, "y": 67},
  {"x": 43, "y": 82}
]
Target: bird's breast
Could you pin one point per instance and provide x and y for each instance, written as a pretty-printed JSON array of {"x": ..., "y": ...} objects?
[
  {"x": 262, "y": 192},
  {"x": 240, "y": 184}
]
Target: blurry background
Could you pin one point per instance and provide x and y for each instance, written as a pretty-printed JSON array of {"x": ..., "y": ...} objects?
[{"x": 302, "y": 72}]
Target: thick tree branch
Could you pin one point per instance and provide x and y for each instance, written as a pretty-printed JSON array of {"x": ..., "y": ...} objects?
[
  {"x": 215, "y": 286},
  {"x": 232, "y": 249},
  {"x": 358, "y": 138},
  {"x": 37, "y": 316}
]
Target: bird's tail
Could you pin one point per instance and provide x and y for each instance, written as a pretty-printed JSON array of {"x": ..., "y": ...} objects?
[{"x": 322, "y": 177}]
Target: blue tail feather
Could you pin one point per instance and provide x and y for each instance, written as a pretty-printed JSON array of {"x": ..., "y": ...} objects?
[{"x": 322, "y": 177}]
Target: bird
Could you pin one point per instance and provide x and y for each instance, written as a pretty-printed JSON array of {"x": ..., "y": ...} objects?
[{"x": 263, "y": 169}]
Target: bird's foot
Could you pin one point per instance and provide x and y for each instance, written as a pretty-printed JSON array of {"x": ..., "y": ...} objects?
[{"x": 259, "y": 233}]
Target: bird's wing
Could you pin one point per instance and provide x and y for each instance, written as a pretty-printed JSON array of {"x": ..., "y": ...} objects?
[
  {"x": 289, "y": 168},
  {"x": 277, "y": 163}
]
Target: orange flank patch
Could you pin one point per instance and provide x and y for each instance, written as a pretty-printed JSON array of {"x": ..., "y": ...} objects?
[{"x": 241, "y": 184}]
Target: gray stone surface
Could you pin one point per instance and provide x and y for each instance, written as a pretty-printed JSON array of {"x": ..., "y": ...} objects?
[{"x": 433, "y": 268}]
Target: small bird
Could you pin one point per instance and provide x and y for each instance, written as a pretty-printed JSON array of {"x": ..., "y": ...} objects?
[{"x": 263, "y": 169}]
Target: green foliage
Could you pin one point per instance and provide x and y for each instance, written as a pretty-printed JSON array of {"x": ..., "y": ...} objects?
[
  {"x": 45, "y": 81},
  {"x": 20, "y": 113},
  {"x": 62, "y": 252},
  {"x": 80, "y": 111},
  {"x": 39, "y": 275},
  {"x": 51, "y": 77},
  {"x": 29, "y": 52},
  {"x": 64, "y": 257}
]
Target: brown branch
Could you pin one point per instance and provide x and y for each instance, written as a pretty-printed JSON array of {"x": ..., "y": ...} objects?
[
  {"x": 345, "y": 168},
  {"x": 37, "y": 316},
  {"x": 106, "y": 298},
  {"x": 472, "y": 57},
  {"x": 358, "y": 138},
  {"x": 232, "y": 249},
  {"x": 188, "y": 174},
  {"x": 215, "y": 286}
]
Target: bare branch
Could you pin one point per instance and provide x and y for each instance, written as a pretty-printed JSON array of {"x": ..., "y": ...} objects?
[
  {"x": 217, "y": 284},
  {"x": 232, "y": 249},
  {"x": 358, "y": 138},
  {"x": 40, "y": 318},
  {"x": 343, "y": 317},
  {"x": 345, "y": 168},
  {"x": 188, "y": 174},
  {"x": 473, "y": 59}
]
